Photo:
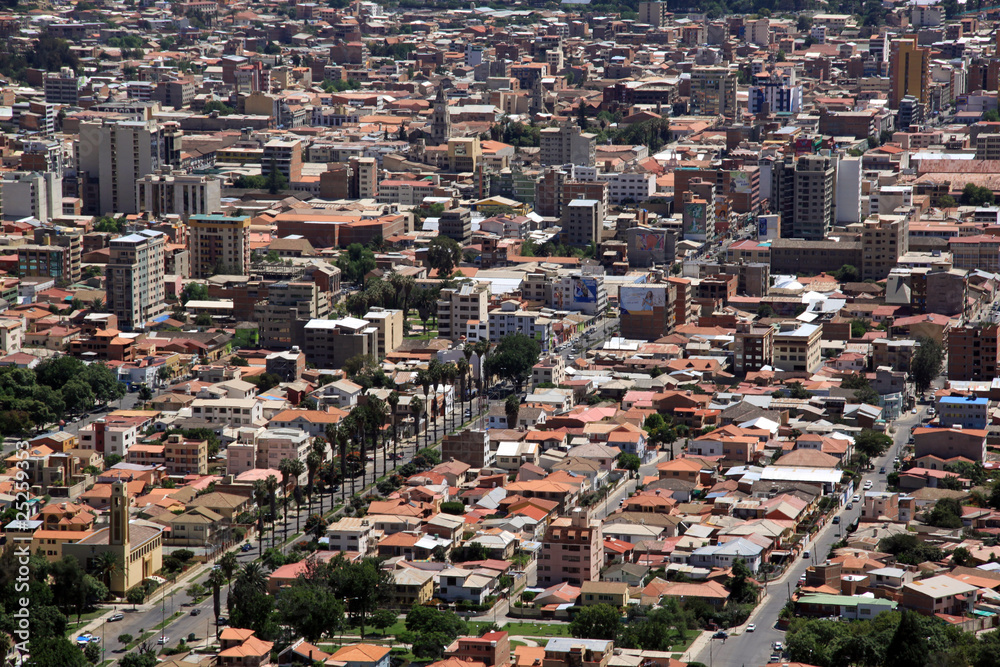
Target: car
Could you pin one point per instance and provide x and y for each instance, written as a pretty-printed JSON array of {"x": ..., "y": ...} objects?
[
  {"x": 751, "y": 627},
  {"x": 774, "y": 658},
  {"x": 913, "y": 411},
  {"x": 223, "y": 621},
  {"x": 721, "y": 634},
  {"x": 850, "y": 506},
  {"x": 836, "y": 520},
  {"x": 881, "y": 470},
  {"x": 116, "y": 617},
  {"x": 806, "y": 554},
  {"x": 777, "y": 647},
  {"x": 930, "y": 411},
  {"x": 195, "y": 611},
  {"x": 162, "y": 640},
  {"x": 246, "y": 547},
  {"x": 856, "y": 498},
  {"x": 868, "y": 484}
]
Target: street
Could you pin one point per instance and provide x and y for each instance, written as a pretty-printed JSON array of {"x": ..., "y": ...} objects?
[{"x": 744, "y": 649}]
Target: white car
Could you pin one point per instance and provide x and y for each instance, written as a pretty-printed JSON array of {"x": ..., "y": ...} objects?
[
  {"x": 856, "y": 498},
  {"x": 162, "y": 640},
  {"x": 868, "y": 484},
  {"x": 751, "y": 627},
  {"x": 914, "y": 411}
]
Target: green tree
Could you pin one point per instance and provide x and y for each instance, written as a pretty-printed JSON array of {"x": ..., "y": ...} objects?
[
  {"x": 991, "y": 116},
  {"x": 276, "y": 180},
  {"x": 56, "y": 652},
  {"x": 909, "y": 643},
  {"x": 444, "y": 254},
  {"x": 513, "y": 359},
  {"x": 599, "y": 621},
  {"x": 356, "y": 263},
  {"x": 946, "y": 201},
  {"x": 947, "y": 513},
  {"x": 311, "y": 610},
  {"x": 962, "y": 557},
  {"x": 194, "y": 292},
  {"x": 926, "y": 364},
  {"x": 629, "y": 462},
  {"x": 872, "y": 443},
  {"x": 511, "y": 408},
  {"x": 741, "y": 589},
  {"x": 909, "y": 549},
  {"x": 847, "y": 274},
  {"x": 975, "y": 195}
]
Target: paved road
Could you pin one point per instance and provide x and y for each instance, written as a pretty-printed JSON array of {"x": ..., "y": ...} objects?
[{"x": 745, "y": 649}]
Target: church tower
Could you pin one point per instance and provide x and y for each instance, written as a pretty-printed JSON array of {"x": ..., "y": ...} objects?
[
  {"x": 119, "y": 517},
  {"x": 441, "y": 119},
  {"x": 537, "y": 104}
]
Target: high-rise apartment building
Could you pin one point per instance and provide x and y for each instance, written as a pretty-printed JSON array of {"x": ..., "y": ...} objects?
[
  {"x": 909, "y": 66},
  {"x": 567, "y": 145},
  {"x": 572, "y": 550},
  {"x": 56, "y": 253},
  {"x": 777, "y": 93},
  {"x": 177, "y": 193},
  {"x": 288, "y": 307},
  {"x": 648, "y": 312},
  {"x": 285, "y": 155},
  {"x": 457, "y": 306},
  {"x": 884, "y": 239},
  {"x": 456, "y": 224},
  {"x": 582, "y": 222},
  {"x": 654, "y": 13},
  {"x": 973, "y": 353},
  {"x": 754, "y": 348},
  {"x": 63, "y": 87},
  {"x": 219, "y": 244},
  {"x": 113, "y": 155},
  {"x": 713, "y": 90},
  {"x": 135, "y": 278},
  {"x": 31, "y": 195},
  {"x": 389, "y": 323},
  {"x": 802, "y": 192}
]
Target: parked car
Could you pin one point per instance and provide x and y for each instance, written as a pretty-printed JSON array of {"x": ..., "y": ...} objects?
[
  {"x": 195, "y": 611},
  {"x": 881, "y": 470},
  {"x": 806, "y": 554},
  {"x": 836, "y": 520},
  {"x": 246, "y": 547},
  {"x": 721, "y": 634},
  {"x": 913, "y": 411},
  {"x": 856, "y": 498},
  {"x": 751, "y": 627},
  {"x": 116, "y": 617},
  {"x": 850, "y": 506},
  {"x": 778, "y": 647}
]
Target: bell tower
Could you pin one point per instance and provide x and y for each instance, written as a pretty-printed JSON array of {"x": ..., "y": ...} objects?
[{"x": 119, "y": 517}]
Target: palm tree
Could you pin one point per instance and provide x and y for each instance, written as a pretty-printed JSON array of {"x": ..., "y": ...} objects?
[
  {"x": 462, "y": 367},
  {"x": 376, "y": 414},
  {"x": 451, "y": 374},
  {"x": 272, "y": 496},
  {"x": 424, "y": 380},
  {"x": 417, "y": 408},
  {"x": 290, "y": 469},
  {"x": 251, "y": 579},
  {"x": 393, "y": 401},
  {"x": 215, "y": 579},
  {"x": 97, "y": 305},
  {"x": 260, "y": 497},
  {"x": 228, "y": 565},
  {"x": 312, "y": 464},
  {"x": 106, "y": 565},
  {"x": 343, "y": 437}
]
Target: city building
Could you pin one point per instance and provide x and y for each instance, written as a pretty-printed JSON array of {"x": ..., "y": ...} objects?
[
  {"x": 461, "y": 308},
  {"x": 456, "y": 224},
  {"x": 973, "y": 353},
  {"x": 713, "y": 90},
  {"x": 908, "y": 71},
  {"x": 583, "y": 221},
  {"x": 754, "y": 348},
  {"x": 177, "y": 193},
  {"x": 572, "y": 550},
  {"x": 219, "y": 244},
  {"x": 566, "y": 144},
  {"x": 798, "y": 349},
  {"x": 113, "y": 156},
  {"x": 134, "y": 278},
  {"x": 884, "y": 239}
]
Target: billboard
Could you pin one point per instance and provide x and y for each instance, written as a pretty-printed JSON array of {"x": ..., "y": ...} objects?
[
  {"x": 638, "y": 298},
  {"x": 739, "y": 183},
  {"x": 650, "y": 242},
  {"x": 584, "y": 290},
  {"x": 762, "y": 226}
]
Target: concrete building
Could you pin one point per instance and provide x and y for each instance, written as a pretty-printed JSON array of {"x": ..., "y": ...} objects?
[
  {"x": 777, "y": 93},
  {"x": 973, "y": 353},
  {"x": 754, "y": 348},
  {"x": 56, "y": 253},
  {"x": 582, "y": 222},
  {"x": 654, "y": 13},
  {"x": 471, "y": 446},
  {"x": 113, "y": 155},
  {"x": 968, "y": 412},
  {"x": 182, "y": 456},
  {"x": 63, "y": 87},
  {"x": 798, "y": 349},
  {"x": 802, "y": 192},
  {"x": 134, "y": 275},
  {"x": 26, "y": 194},
  {"x": 285, "y": 156},
  {"x": 459, "y": 307},
  {"x": 390, "y": 329},
  {"x": 713, "y": 91},
  {"x": 947, "y": 443},
  {"x": 908, "y": 71},
  {"x": 456, "y": 224},
  {"x": 288, "y": 307},
  {"x": 329, "y": 343},
  {"x": 177, "y": 193},
  {"x": 848, "y": 208},
  {"x": 647, "y": 311},
  {"x": 648, "y": 246},
  {"x": 572, "y": 550},
  {"x": 884, "y": 239},
  {"x": 219, "y": 244},
  {"x": 567, "y": 145}
]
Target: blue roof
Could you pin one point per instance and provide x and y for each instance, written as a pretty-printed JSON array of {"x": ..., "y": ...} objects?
[{"x": 956, "y": 400}]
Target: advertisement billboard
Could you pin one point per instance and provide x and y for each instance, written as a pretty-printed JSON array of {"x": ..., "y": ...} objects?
[
  {"x": 762, "y": 226},
  {"x": 739, "y": 182},
  {"x": 694, "y": 218},
  {"x": 636, "y": 298},
  {"x": 584, "y": 290}
]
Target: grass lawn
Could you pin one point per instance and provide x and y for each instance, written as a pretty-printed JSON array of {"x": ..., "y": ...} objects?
[
  {"x": 538, "y": 629},
  {"x": 372, "y": 633},
  {"x": 691, "y": 636},
  {"x": 515, "y": 644}
]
